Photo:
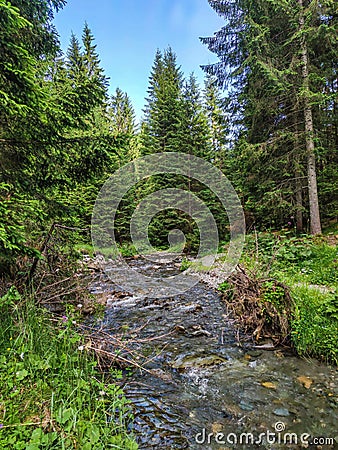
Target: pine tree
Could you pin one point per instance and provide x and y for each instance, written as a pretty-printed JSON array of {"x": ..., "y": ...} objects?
[
  {"x": 18, "y": 90},
  {"x": 175, "y": 120},
  {"x": 28, "y": 42},
  {"x": 75, "y": 61},
  {"x": 195, "y": 138},
  {"x": 315, "y": 224},
  {"x": 121, "y": 118},
  {"x": 41, "y": 39},
  {"x": 56, "y": 148},
  {"x": 154, "y": 80},
  {"x": 193, "y": 134},
  {"x": 121, "y": 113},
  {"x": 88, "y": 83}
]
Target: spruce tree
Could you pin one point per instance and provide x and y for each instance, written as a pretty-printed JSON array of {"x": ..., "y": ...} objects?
[
  {"x": 193, "y": 134},
  {"x": 41, "y": 39},
  {"x": 121, "y": 119},
  {"x": 164, "y": 99},
  {"x": 270, "y": 77},
  {"x": 217, "y": 120},
  {"x": 95, "y": 73},
  {"x": 121, "y": 113},
  {"x": 75, "y": 61},
  {"x": 18, "y": 90}
]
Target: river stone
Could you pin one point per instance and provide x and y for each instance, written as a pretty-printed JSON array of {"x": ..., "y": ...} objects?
[
  {"x": 254, "y": 353},
  {"x": 246, "y": 406},
  {"x": 282, "y": 412},
  {"x": 184, "y": 362}
]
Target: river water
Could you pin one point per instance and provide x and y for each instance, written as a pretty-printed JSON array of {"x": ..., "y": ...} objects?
[{"x": 203, "y": 389}]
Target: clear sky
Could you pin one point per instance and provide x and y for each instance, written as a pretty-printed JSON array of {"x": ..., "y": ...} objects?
[{"x": 128, "y": 32}]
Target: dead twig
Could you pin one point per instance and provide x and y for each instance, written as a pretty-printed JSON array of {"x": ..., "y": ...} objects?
[
  {"x": 116, "y": 357},
  {"x": 41, "y": 251}
]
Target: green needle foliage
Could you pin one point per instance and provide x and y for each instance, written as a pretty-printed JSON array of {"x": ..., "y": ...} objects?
[
  {"x": 60, "y": 159},
  {"x": 276, "y": 63},
  {"x": 179, "y": 119}
]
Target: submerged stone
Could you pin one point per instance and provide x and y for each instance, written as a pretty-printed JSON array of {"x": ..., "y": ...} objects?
[
  {"x": 282, "y": 412},
  {"x": 245, "y": 406},
  {"x": 186, "y": 362}
]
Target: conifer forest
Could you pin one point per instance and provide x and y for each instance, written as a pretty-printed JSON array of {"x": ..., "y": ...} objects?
[{"x": 90, "y": 359}]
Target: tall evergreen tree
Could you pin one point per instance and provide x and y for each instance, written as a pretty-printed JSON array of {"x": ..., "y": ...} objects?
[
  {"x": 41, "y": 38},
  {"x": 121, "y": 113},
  {"x": 193, "y": 134},
  {"x": 176, "y": 120},
  {"x": 56, "y": 162},
  {"x": 18, "y": 90},
  {"x": 217, "y": 120},
  {"x": 264, "y": 51},
  {"x": 92, "y": 62},
  {"x": 163, "y": 103},
  {"x": 75, "y": 60},
  {"x": 121, "y": 118},
  {"x": 28, "y": 41},
  {"x": 88, "y": 83}
]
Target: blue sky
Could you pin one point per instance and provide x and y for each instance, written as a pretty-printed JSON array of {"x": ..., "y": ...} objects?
[{"x": 128, "y": 32}]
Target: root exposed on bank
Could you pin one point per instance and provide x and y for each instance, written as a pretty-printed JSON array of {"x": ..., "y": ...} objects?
[{"x": 261, "y": 307}]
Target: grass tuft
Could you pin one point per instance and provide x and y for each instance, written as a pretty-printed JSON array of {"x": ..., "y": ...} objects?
[{"x": 52, "y": 395}]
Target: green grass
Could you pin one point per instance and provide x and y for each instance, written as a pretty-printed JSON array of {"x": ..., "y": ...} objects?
[
  {"x": 315, "y": 323},
  {"x": 84, "y": 249},
  {"x": 52, "y": 396},
  {"x": 313, "y": 282}
]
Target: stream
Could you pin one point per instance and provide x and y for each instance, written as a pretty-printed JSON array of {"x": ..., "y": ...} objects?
[{"x": 202, "y": 388}]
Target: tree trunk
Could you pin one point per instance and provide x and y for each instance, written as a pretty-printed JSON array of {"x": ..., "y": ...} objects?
[
  {"x": 299, "y": 203},
  {"x": 298, "y": 175},
  {"x": 315, "y": 225}
]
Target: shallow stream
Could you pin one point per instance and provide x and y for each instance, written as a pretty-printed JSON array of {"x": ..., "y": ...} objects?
[{"x": 203, "y": 389}]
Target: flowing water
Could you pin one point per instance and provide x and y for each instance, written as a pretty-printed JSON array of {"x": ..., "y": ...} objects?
[{"x": 202, "y": 389}]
